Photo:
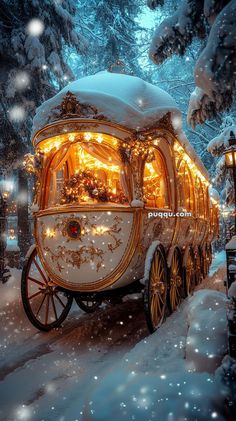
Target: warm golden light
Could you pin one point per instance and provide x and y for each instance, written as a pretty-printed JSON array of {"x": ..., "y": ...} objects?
[
  {"x": 50, "y": 233},
  {"x": 100, "y": 229},
  {"x": 230, "y": 157},
  {"x": 196, "y": 172}
]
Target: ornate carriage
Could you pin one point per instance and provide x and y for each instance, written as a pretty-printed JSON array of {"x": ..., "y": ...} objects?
[{"x": 121, "y": 202}]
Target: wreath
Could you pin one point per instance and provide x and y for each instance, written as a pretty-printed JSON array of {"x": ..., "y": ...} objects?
[{"x": 86, "y": 181}]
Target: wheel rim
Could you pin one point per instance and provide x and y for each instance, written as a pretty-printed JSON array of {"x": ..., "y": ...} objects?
[
  {"x": 157, "y": 290},
  {"x": 45, "y": 303},
  {"x": 189, "y": 275},
  {"x": 175, "y": 282},
  {"x": 198, "y": 269}
]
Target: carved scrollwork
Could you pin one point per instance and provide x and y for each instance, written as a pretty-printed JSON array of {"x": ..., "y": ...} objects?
[{"x": 70, "y": 107}]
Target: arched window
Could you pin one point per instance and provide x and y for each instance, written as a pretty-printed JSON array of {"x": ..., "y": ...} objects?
[
  {"x": 200, "y": 198},
  {"x": 87, "y": 173},
  {"x": 185, "y": 188},
  {"x": 155, "y": 183}
]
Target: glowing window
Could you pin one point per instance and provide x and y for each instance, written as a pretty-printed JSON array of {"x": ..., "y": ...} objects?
[
  {"x": 185, "y": 188},
  {"x": 155, "y": 185},
  {"x": 199, "y": 198},
  {"x": 95, "y": 176}
]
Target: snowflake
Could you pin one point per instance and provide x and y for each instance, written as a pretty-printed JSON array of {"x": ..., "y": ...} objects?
[
  {"x": 35, "y": 27},
  {"x": 17, "y": 113},
  {"x": 21, "y": 80}
]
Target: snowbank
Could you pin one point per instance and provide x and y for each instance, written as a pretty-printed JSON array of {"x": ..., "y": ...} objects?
[
  {"x": 123, "y": 99},
  {"x": 168, "y": 376},
  {"x": 10, "y": 291}
]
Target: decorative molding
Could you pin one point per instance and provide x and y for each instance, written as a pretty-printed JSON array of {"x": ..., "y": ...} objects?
[{"x": 70, "y": 107}]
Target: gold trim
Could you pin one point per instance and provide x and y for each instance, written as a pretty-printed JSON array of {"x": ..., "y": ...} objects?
[
  {"x": 109, "y": 280},
  {"x": 82, "y": 208},
  {"x": 78, "y": 121}
]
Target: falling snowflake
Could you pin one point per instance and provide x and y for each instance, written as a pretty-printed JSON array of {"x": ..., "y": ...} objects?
[
  {"x": 35, "y": 27},
  {"x": 17, "y": 113},
  {"x": 21, "y": 80}
]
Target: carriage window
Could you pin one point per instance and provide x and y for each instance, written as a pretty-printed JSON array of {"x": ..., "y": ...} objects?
[
  {"x": 95, "y": 176},
  {"x": 200, "y": 198},
  {"x": 185, "y": 188},
  {"x": 155, "y": 184}
]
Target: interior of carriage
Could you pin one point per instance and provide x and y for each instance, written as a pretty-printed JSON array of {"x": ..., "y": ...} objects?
[
  {"x": 87, "y": 169},
  {"x": 91, "y": 171}
]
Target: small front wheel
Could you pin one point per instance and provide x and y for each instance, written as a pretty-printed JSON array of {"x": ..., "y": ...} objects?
[
  {"x": 155, "y": 292},
  {"x": 46, "y": 305}
]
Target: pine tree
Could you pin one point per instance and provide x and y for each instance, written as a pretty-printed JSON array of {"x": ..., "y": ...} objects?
[
  {"x": 34, "y": 36},
  {"x": 215, "y": 70},
  {"x": 112, "y": 30}
]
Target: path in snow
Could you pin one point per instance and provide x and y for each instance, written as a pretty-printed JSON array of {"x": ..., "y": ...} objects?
[{"x": 44, "y": 375}]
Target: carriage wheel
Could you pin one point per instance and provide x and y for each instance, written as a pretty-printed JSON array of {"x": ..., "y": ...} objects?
[
  {"x": 189, "y": 274},
  {"x": 46, "y": 305},
  {"x": 206, "y": 262},
  {"x": 89, "y": 305},
  {"x": 208, "y": 257},
  {"x": 209, "y": 252},
  {"x": 176, "y": 283},
  {"x": 155, "y": 292},
  {"x": 198, "y": 262}
]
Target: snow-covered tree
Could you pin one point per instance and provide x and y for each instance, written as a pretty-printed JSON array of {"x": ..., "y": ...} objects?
[
  {"x": 215, "y": 69},
  {"x": 216, "y": 147},
  {"x": 112, "y": 28},
  {"x": 34, "y": 35}
]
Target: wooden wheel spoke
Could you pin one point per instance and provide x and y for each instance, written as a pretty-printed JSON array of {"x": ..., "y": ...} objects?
[
  {"x": 35, "y": 281},
  {"x": 40, "y": 270},
  {"x": 60, "y": 301},
  {"x": 160, "y": 297},
  {"x": 54, "y": 307},
  {"x": 35, "y": 295},
  {"x": 47, "y": 310},
  {"x": 41, "y": 304}
]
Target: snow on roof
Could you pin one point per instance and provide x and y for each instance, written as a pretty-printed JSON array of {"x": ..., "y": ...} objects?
[
  {"x": 126, "y": 100},
  {"x": 123, "y": 99}
]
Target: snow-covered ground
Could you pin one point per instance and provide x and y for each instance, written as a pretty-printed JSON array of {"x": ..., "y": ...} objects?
[{"x": 104, "y": 365}]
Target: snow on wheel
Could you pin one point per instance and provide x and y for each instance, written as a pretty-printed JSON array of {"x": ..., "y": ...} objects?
[
  {"x": 189, "y": 274},
  {"x": 155, "y": 292},
  {"x": 46, "y": 305},
  {"x": 176, "y": 292},
  {"x": 90, "y": 304}
]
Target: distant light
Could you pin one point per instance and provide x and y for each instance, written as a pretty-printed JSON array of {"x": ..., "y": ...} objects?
[
  {"x": 35, "y": 27},
  {"x": 21, "y": 80},
  {"x": 17, "y": 113}
]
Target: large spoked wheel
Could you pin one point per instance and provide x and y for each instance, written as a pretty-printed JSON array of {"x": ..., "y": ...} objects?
[
  {"x": 208, "y": 258},
  {"x": 198, "y": 266},
  {"x": 46, "y": 305},
  {"x": 90, "y": 304},
  {"x": 189, "y": 274},
  {"x": 209, "y": 254},
  {"x": 176, "y": 291},
  {"x": 155, "y": 292}
]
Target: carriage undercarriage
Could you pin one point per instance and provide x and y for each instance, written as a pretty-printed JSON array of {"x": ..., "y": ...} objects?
[{"x": 47, "y": 304}]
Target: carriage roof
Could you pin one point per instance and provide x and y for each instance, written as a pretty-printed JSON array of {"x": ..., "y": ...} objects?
[{"x": 122, "y": 99}]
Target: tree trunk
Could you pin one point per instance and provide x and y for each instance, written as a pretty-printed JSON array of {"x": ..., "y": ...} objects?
[{"x": 24, "y": 235}]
